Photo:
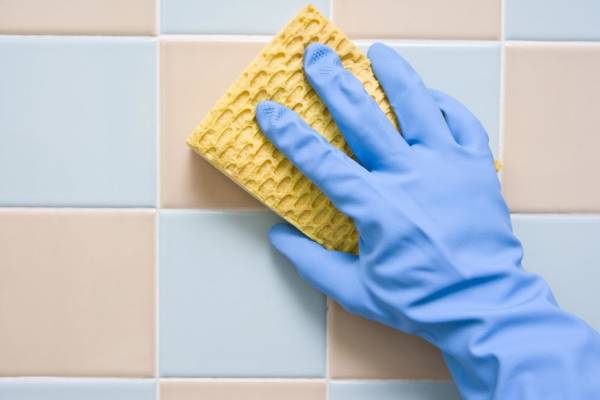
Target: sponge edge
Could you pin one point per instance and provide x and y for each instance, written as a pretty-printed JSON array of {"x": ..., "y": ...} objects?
[{"x": 230, "y": 139}]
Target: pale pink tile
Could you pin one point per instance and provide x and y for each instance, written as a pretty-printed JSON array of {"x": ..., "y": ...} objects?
[
  {"x": 424, "y": 19},
  {"x": 76, "y": 292},
  {"x": 362, "y": 349},
  {"x": 190, "y": 389},
  {"x": 89, "y": 17},
  {"x": 552, "y": 128}
]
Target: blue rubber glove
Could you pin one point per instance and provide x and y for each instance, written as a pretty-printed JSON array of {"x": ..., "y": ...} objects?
[{"x": 437, "y": 255}]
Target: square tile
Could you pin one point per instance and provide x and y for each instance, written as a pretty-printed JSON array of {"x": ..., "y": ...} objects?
[
  {"x": 90, "y": 17},
  {"x": 552, "y": 19},
  {"x": 77, "y": 292},
  {"x": 551, "y": 122},
  {"x": 229, "y": 389},
  {"x": 470, "y": 73},
  {"x": 194, "y": 75},
  {"x": 229, "y": 305},
  {"x": 564, "y": 251},
  {"x": 231, "y": 16},
  {"x": 77, "y": 121},
  {"x": 77, "y": 389},
  {"x": 392, "y": 391},
  {"x": 362, "y": 349},
  {"x": 423, "y": 19}
]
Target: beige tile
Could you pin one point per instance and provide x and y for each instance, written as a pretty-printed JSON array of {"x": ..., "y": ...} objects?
[
  {"x": 92, "y": 17},
  {"x": 194, "y": 75},
  {"x": 362, "y": 349},
  {"x": 552, "y": 128},
  {"x": 426, "y": 19},
  {"x": 76, "y": 293},
  {"x": 230, "y": 389}
]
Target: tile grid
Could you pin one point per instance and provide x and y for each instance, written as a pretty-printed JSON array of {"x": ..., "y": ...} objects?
[{"x": 158, "y": 36}]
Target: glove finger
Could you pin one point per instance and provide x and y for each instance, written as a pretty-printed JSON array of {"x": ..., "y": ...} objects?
[
  {"x": 370, "y": 134},
  {"x": 420, "y": 119},
  {"x": 332, "y": 272},
  {"x": 465, "y": 127},
  {"x": 336, "y": 174}
]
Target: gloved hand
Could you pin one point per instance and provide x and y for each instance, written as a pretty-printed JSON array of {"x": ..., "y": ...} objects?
[{"x": 437, "y": 255}]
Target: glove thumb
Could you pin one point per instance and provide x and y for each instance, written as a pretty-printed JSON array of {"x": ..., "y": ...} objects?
[{"x": 333, "y": 273}]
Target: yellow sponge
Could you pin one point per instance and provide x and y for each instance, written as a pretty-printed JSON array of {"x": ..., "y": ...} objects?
[{"x": 230, "y": 139}]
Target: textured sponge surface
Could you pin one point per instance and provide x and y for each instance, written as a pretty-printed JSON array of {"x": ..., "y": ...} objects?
[{"x": 230, "y": 139}]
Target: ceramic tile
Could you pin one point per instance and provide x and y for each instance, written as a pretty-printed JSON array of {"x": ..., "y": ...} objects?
[
  {"x": 77, "y": 289},
  {"x": 229, "y": 305},
  {"x": 552, "y": 19},
  {"x": 231, "y": 16},
  {"x": 90, "y": 17},
  {"x": 424, "y": 19},
  {"x": 362, "y": 349},
  {"x": 77, "y": 389},
  {"x": 564, "y": 251},
  {"x": 178, "y": 389},
  {"x": 77, "y": 121},
  {"x": 392, "y": 391},
  {"x": 194, "y": 75},
  {"x": 470, "y": 73},
  {"x": 551, "y": 128}
]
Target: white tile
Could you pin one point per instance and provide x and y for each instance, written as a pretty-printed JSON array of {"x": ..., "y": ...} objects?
[
  {"x": 77, "y": 121},
  {"x": 231, "y": 16},
  {"x": 552, "y": 19},
  {"x": 77, "y": 389},
  {"x": 230, "y": 305},
  {"x": 564, "y": 250},
  {"x": 392, "y": 390}
]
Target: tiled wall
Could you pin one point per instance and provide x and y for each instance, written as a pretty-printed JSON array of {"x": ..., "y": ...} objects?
[{"x": 130, "y": 269}]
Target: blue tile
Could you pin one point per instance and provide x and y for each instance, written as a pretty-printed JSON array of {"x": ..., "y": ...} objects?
[
  {"x": 471, "y": 74},
  {"x": 77, "y": 389},
  {"x": 392, "y": 390},
  {"x": 231, "y": 16},
  {"x": 77, "y": 121},
  {"x": 552, "y": 19},
  {"x": 229, "y": 305},
  {"x": 565, "y": 251}
]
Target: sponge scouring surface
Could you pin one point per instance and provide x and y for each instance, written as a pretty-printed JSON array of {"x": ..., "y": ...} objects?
[{"x": 230, "y": 139}]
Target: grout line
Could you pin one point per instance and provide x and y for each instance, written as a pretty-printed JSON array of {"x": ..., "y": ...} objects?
[
  {"x": 242, "y": 379},
  {"x": 390, "y": 380},
  {"x": 502, "y": 90},
  {"x": 99, "y": 209},
  {"x": 327, "y": 346},
  {"x": 158, "y": 130},
  {"x": 77, "y": 36},
  {"x": 74, "y": 378},
  {"x": 423, "y": 42}
]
